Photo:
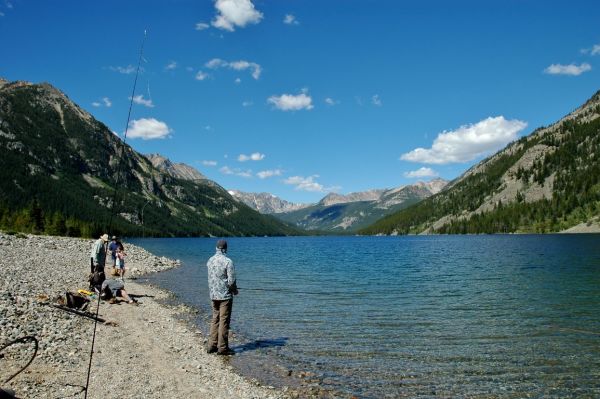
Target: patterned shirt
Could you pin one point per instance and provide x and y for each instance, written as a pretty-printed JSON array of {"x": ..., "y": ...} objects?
[{"x": 221, "y": 276}]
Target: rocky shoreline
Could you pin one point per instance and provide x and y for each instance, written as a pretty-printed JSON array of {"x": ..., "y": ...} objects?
[{"x": 141, "y": 351}]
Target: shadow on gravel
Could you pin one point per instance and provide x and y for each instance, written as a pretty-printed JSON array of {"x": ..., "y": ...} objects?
[{"x": 260, "y": 343}]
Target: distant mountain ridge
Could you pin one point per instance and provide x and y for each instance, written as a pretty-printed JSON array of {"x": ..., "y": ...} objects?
[
  {"x": 266, "y": 203},
  {"x": 546, "y": 182},
  {"x": 63, "y": 172},
  {"x": 344, "y": 213}
]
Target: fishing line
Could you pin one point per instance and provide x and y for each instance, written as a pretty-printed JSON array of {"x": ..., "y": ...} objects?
[
  {"x": 286, "y": 290},
  {"x": 87, "y": 382},
  {"x": 114, "y": 202},
  {"x": 123, "y": 147}
]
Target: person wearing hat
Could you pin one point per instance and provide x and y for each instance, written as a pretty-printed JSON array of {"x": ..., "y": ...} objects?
[
  {"x": 98, "y": 254},
  {"x": 222, "y": 287}
]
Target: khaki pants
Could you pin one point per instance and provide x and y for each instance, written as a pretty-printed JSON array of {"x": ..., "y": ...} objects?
[{"x": 219, "y": 326}]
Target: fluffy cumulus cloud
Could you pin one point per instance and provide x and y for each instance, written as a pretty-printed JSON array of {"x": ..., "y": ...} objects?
[
  {"x": 148, "y": 129},
  {"x": 330, "y": 101},
  {"x": 265, "y": 174},
  {"x": 468, "y": 142},
  {"x": 235, "y": 13},
  {"x": 256, "y": 156},
  {"x": 209, "y": 163},
  {"x": 376, "y": 100},
  {"x": 171, "y": 65},
  {"x": 420, "y": 173},
  {"x": 289, "y": 19},
  {"x": 571, "y": 69},
  {"x": 290, "y": 102},
  {"x": 139, "y": 99},
  {"x": 226, "y": 170},
  {"x": 241, "y": 65}
]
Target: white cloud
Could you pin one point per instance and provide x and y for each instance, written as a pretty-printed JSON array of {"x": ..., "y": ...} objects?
[
  {"x": 171, "y": 65},
  {"x": 125, "y": 70},
  {"x": 238, "y": 81},
  {"x": 243, "y": 65},
  {"x": 376, "y": 100},
  {"x": 202, "y": 26},
  {"x": 595, "y": 50},
  {"x": 139, "y": 99},
  {"x": 264, "y": 174},
  {"x": 571, "y": 69},
  {"x": 308, "y": 184},
  {"x": 105, "y": 102},
  {"x": 290, "y": 102},
  {"x": 201, "y": 76},
  {"x": 232, "y": 13},
  {"x": 256, "y": 156},
  {"x": 216, "y": 63},
  {"x": 148, "y": 129},
  {"x": 240, "y": 65},
  {"x": 331, "y": 101},
  {"x": 289, "y": 19},
  {"x": 247, "y": 104},
  {"x": 226, "y": 170},
  {"x": 468, "y": 142},
  {"x": 421, "y": 172},
  {"x": 209, "y": 163}
]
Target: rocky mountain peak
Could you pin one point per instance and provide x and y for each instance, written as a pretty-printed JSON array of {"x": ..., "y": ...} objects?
[
  {"x": 178, "y": 170},
  {"x": 266, "y": 203}
]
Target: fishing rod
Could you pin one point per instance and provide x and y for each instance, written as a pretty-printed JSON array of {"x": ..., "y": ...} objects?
[
  {"x": 286, "y": 290},
  {"x": 114, "y": 202},
  {"x": 122, "y": 149}
]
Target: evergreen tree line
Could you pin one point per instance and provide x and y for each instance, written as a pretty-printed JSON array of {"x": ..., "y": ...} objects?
[{"x": 573, "y": 162}]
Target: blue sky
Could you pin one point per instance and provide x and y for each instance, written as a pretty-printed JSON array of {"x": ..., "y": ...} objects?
[{"x": 298, "y": 98}]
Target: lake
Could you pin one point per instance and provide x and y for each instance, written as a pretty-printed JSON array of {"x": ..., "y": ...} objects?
[{"x": 506, "y": 316}]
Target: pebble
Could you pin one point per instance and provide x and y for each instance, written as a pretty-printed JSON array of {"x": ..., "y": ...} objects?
[{"x": 35, "y": 270}]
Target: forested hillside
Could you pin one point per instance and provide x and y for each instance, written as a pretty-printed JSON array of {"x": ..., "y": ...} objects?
[
  {"x": 63, "y": 172},
  {"x": 548, "y": 181}
]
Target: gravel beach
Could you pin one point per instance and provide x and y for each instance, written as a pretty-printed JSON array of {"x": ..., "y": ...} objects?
[{"x": 143, "y": 351}]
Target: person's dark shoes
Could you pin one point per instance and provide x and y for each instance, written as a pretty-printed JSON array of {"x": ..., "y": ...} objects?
[
  {"x": 226, "y": 352},
  {"x": 211, "y": 350}
]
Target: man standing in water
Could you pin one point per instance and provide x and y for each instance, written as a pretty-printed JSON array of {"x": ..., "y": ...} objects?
[{"x": 222, "y": 287}]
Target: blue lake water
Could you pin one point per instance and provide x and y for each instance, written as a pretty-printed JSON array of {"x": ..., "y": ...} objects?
[{"x": 507, "y": 316}]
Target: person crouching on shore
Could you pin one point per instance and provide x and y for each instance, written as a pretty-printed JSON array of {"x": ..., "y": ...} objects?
[
  {"x": 114, "y": 289},
  {"x": 222, "y": 287}
]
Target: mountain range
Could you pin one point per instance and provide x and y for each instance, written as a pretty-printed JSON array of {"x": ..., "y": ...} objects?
[
  {"x": 64, "y": 172},
  {"x": 343, "y": 213},
  {"x": 548, "y": 181}
]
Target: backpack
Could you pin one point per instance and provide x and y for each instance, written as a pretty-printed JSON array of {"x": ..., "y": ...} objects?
[
  {"x": 76, "y": 301},
  {"x": 96, "y": 279}
]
